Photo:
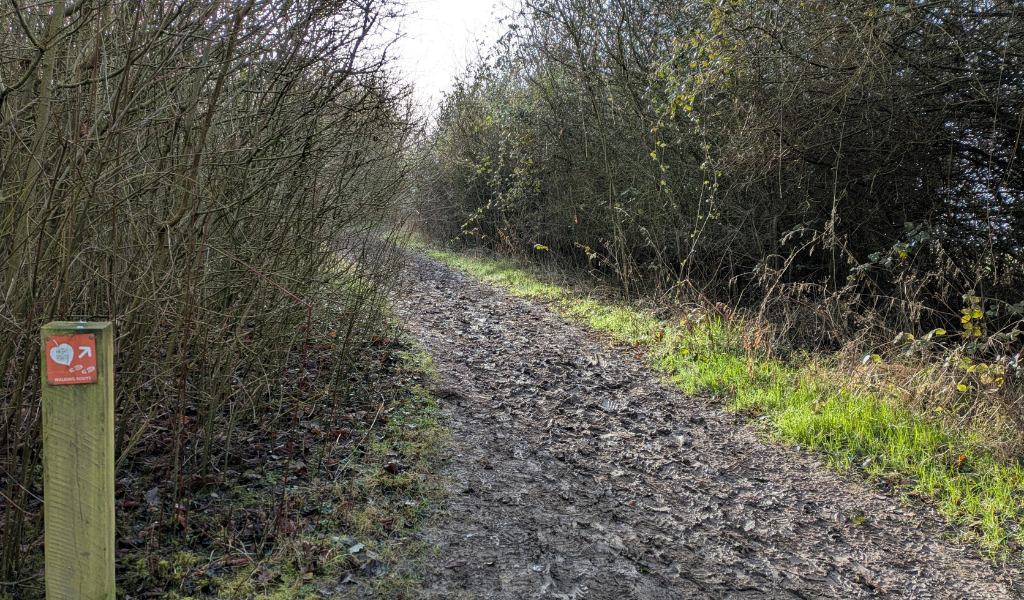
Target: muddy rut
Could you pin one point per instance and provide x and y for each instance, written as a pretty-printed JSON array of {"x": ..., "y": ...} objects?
[{"x": 576, "y": 474}]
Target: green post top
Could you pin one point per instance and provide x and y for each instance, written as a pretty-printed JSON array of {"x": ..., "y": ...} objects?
[{"x": 79, "y": 326}]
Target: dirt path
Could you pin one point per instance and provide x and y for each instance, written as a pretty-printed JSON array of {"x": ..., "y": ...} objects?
[{"x": 576, "y": 474}]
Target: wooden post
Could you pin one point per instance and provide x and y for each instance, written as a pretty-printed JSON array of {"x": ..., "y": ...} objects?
[{"x": 78, "y": 459}]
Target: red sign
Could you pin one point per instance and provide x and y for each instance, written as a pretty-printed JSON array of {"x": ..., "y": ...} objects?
[{"x": 70, "y": 359}]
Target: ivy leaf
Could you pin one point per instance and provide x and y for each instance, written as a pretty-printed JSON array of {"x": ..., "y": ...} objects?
[{"x": 871, "y": 358}]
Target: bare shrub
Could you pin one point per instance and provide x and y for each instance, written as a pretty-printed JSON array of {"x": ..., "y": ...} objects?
[{"x": 190, "y": 171}]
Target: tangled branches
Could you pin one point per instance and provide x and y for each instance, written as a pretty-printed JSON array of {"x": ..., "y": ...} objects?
[
  {"x": 855, "y": 156},
  {"x": 176, "y": 168}
]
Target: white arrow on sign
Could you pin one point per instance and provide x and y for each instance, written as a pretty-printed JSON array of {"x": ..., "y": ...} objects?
[{"x": 86, "y": 351}]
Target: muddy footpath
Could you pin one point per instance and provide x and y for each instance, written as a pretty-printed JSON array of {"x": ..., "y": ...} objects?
[{"x": 576, "y": 473}]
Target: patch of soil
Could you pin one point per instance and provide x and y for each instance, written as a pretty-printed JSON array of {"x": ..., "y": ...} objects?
[{"x": 576, "y": 474}]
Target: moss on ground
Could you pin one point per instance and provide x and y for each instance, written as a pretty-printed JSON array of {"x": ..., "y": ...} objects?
[{"x": 364, "y": 542}]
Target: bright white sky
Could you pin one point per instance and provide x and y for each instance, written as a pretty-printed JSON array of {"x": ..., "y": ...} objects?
[{"x": 440, "y": 38}]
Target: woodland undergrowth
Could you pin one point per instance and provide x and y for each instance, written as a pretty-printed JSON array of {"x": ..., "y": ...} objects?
[
  {"x": 358, "y": 474},
  {"x": 220, "y": 180}
]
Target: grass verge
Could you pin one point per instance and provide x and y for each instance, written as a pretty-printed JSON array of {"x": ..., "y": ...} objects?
[
  {"x": 364, "y": 543},
  {"x": 853, "y": 420}
]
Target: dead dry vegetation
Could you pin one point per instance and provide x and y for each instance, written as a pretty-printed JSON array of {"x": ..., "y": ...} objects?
[{"x": 219, "y": 179}]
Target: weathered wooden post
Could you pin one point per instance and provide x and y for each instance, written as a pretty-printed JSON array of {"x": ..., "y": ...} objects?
[{"x": 78, "y": 459}]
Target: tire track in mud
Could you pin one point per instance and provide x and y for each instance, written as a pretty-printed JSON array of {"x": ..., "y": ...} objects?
[{"x": 576, "y": 474}]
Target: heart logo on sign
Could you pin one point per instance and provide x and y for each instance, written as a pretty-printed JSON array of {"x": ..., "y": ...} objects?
[{"x": 62, "y": 355}]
